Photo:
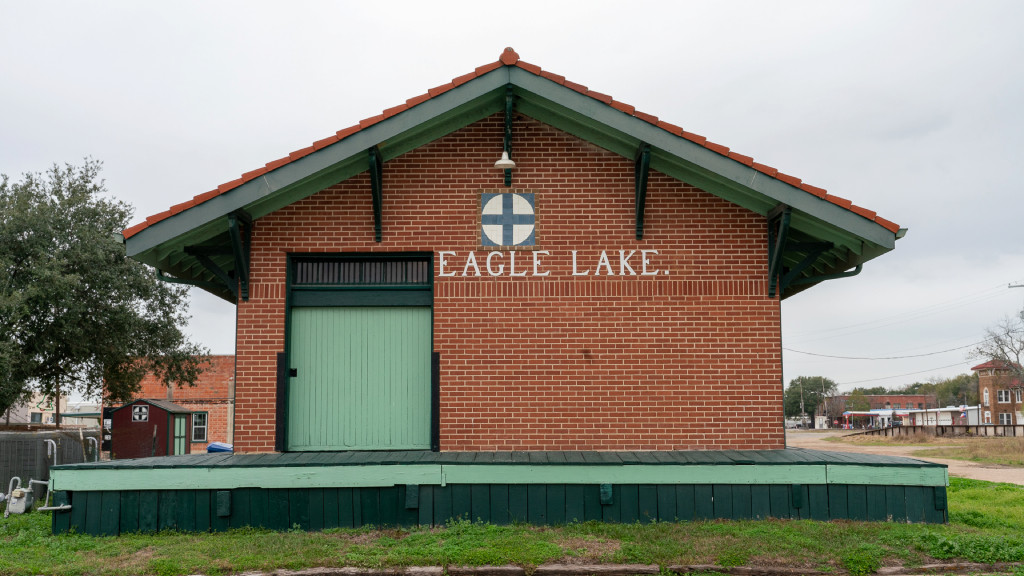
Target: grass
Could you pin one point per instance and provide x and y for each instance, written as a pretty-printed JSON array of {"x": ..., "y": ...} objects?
[
  {"x": 986, "y": 525},
  {"x": 983, "y": 449}
]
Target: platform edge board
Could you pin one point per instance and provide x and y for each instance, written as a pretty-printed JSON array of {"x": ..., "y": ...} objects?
[{"x": 329, "y": 476}]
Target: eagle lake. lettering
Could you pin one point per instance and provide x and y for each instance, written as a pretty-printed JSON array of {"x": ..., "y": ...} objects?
[{"x": 532, "y": 263}]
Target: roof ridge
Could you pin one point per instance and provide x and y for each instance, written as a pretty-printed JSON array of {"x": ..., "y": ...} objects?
[{"x": 509, "y": 57}]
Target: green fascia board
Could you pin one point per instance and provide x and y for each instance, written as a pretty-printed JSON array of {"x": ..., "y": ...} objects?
[
  {"x": 313, "y": 476},
  {"x": 743, "y": 175},
  {"x": 633, "y": 474},
  {"x": 226, "y": 478},
  {"x": 888, "y": 475}
]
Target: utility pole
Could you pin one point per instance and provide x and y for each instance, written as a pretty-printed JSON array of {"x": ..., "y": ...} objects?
[{"x": 803, "y": 413}]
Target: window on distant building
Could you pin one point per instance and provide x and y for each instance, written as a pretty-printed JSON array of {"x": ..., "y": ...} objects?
[
  {"x": 1005, "y": 418},
  {"x": 896, "y": 406},
  {"x": 920, "y": 405},
  {"x": 887, "y": 406},
  {"x": 988, "y": 417},
  {"x": 199, "y": 426},
  {"x": 1003, "y": 396},
  {"x": 36, "y": 418},
  {"x": 985, "y": 394},
  {"x": 1018, "y": 395}
]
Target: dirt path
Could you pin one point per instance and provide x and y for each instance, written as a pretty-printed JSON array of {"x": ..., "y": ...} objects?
[{"x": 961, "y": 468}]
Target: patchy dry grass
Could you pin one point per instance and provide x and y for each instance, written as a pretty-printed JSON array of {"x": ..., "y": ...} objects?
[{"x": 981, "y": 449}]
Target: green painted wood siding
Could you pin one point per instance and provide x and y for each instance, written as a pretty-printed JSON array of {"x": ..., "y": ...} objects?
[
  {"x": 119, "y": 512},
  {"x": 362, "y": 379}
]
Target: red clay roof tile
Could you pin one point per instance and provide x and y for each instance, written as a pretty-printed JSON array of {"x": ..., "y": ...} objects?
[
  {"x": 481, "y": 70},
  {"x": 417, "y": 100},
  {"x": 839, "y": 201},
  {"x": 463, "y": 79},
  {"x": 869, "y": 214},
  {"x": 253, "y": 174},
  {"x": 438, "y": 90},
  {"x": 723, "y": 150},
  {"x": 321, "y": 144},
  {"x": 887, "y": 224},
  {"x": 509, "y": 57},
  {"x": 747, "y": 160},
  {"x": 278, "y": 163},
  {"x": 346, "y": 132},
  {"x": 646, "y": 117},
  {"x": 791, "y": 180},
  {"x": 677, "y": 130},
  {"x": 395, "y": 110},
  {"x": 182, "y": 207},
  {"x": 531, "y": 68},
  {"x": 557, "y": 79},
  {"x": 819, "y": 192},
  {"x": 158, "y": 217},
  {"x": 200, "y": 198},
  {"x": 623, "y": 107},
  {"x": 133, "y": 230},
  {"x": 367, "y": 122},
  {"x": 301, "y": 153},
  {"x": 694, "y": 137},
  {"x": 765, "y": 169},
  {"x": 230, "y": 185},
  {"x": 574, "y": 86}
]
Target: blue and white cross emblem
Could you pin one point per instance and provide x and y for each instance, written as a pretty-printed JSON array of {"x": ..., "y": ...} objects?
[{"x": 507, "y": 219}]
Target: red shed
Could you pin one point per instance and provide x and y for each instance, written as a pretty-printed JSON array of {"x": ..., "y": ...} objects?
[{"x": 150, "y": 428}]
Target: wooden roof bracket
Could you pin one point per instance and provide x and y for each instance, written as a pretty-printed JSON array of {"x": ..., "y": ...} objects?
[
  {"x": 211, "y": 286},
  {"x": 202, "y": 255},
  {"x": 812, "y": 251},
  {"x": 778, "y": 230},
  {"x": 240, "y": 248},
  {"x": 377, "y": 189},
  {"x": 814, "y": 279},
  {"x": 642, "y": 168},
  {"x": 510, "y": 101}
]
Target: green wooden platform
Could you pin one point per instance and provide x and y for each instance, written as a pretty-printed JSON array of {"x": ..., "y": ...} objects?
[{"x": 351, "y": 489}]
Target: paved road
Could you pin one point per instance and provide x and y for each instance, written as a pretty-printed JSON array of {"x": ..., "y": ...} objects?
[{"x": 961, "y": 468}]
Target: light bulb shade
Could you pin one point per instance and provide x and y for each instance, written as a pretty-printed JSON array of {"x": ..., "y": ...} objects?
[{"x": 505, "y": 163}]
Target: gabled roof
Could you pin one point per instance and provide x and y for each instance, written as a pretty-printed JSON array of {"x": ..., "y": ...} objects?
[
  {"x": 164, "y": 405},
  {"x": 856, "y": 234},
  {"x": 993, "y": 365}
]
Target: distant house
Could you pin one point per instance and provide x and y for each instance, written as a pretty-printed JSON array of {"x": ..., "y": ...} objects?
[
  {"x": 831, "y": 410},
  {"x": 37, "y": 410},
  {"x": 999, "y": 392},
  {"x": 211, "y": 401}
]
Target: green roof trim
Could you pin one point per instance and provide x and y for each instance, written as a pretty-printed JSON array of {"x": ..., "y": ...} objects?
[{"x": 855, "y": 238}]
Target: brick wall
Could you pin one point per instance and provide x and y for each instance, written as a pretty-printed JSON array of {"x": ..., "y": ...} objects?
[
  {"x": 686, "y": 359},
  {"x": 994, "y": 380},
  {"x": 211, "y": 394}
]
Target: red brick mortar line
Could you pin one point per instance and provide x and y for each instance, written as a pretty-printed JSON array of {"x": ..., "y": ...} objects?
[{"x": 629, "y": 569}]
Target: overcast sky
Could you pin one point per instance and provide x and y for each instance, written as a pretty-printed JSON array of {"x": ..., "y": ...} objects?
[{"x": 911, "y": 109}]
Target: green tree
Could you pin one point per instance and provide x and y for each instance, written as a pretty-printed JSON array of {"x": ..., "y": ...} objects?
[
  {"x": 814, "y": 389},
  {"x": 75, "y": 312},
  {"x": 858, "y": 401}
]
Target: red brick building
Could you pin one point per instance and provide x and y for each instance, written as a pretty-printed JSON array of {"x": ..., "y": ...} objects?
[
  {"x": 999, "y": 392},
  {"x": 210, "y": 401},
  {"x": 618, "y": 289}
]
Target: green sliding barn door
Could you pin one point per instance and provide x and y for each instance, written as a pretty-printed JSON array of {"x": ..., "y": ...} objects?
[{"x": 361, "y": 378}]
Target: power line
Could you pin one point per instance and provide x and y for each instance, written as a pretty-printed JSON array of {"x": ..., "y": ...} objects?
[
  {"x": 882, "y": 357},
  {"x": 900, "y": 375}
]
